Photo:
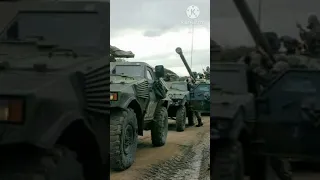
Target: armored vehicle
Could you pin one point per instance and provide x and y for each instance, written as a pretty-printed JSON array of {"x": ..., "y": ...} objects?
[
  {"x": 138, "y": 99},
  {"x": 201, "y": 96},
  {"x": 54, "y": 59},
  {"x": 200, "y": 90},
  {"x": 180, "y": 108},
  {"x": 251, "y": 130}
]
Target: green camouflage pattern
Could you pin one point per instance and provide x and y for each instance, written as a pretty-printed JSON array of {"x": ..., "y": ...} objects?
[{"x": 178, "y": 92}]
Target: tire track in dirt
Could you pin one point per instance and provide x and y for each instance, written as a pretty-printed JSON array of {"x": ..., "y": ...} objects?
[
  {"x": 185, "y": 156},
  {"x": 190, "y": 164}
]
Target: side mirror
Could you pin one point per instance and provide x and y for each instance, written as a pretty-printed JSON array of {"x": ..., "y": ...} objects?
[{"x": 159, "y": 71}]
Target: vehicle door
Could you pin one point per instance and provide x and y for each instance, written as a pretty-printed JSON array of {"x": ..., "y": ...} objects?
[
  {"x": 200, "y": 97},
  {"x": 288, "y": 121},
  {"x": 153, "y": 102}
]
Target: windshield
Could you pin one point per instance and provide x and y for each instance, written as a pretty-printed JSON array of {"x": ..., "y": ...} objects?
[
  {"x": 204, "y": 88},
  {"x": 179, "y": 86},
  {"x": 60, "y": 28},
  {"x": 134, "y": 70}
]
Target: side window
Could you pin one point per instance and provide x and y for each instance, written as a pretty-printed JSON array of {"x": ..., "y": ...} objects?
[{"x": 149, "y": 75}]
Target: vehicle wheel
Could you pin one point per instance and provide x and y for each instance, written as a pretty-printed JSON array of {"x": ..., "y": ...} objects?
[
  {"x": 228, "y": 162},
  {"x": 58, "y": 163},
  {"x": 191, "y": 118},
  {"x": 159, "y": 128},
  {"x": 181, "y": 119},
  {"x": 123, "y": 139}
]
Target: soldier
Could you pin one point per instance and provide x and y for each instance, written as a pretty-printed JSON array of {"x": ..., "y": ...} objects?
[
  {"x": 201, "y": 76},
  {"x": 259, "y": 69},
  {"x": 292, "y": 45},
  {"x": 311, "y": 37},
  {"x": 196, "y": 113},
  {"x": 273, "y": 41}
]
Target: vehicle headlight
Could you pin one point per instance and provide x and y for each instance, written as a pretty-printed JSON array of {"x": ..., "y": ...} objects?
[
  {"x": 170, "y": 95},
  {"x": 113, "y": 96},
  {"x": 11, "y": 110}
]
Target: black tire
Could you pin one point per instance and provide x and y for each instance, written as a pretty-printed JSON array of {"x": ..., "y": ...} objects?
[
  {"x": 191, "y": 117},
  {"x": 181, "y": 119},
  {"x": 159, "y": 128},
  {"x": 60, "y": 163},
  {"x": 123, "y": 139},
  {"x": 228, "y": 162}
]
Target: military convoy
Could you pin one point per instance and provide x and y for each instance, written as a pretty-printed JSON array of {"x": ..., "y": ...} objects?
[
  {"x": 249, "y": 130},
  {"x": 54, "y": 76},
  {"x": 138, "y": 100}
]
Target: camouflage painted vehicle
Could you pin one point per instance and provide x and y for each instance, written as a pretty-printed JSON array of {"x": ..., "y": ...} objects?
[
  {"x": 138, "y": 99},
  {"x": 251, "y": 130},
  {"x": 180, "y": 108},
  {"x": 200, "y": 91},
  {"x": 54, "y": 68},
  {"x": 200, "y": 96}
]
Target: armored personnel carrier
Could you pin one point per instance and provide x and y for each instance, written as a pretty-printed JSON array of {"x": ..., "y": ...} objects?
[
  {"x": 138, "y": 100},
  {"x": 200, "y": 90},
  {"x": 248, "y": 130},
  {"x": 180, "y": 108},
  {"x": 54, "y": 59}
]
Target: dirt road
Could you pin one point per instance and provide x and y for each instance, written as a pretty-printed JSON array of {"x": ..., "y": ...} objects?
[{"x": 185, "y": 156}]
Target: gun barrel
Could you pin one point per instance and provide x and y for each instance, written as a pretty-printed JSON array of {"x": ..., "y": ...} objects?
[
  {"x": 253, "y": 27},
  {"x": 179, "y": 51}
]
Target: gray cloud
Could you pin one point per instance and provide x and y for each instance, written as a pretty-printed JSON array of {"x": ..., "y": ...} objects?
[
  {"x": 227, "y": 28},
  {"x": 153, "y": 33},
  {"x": 153, "y": 16},
  {"x": 199, "y": 57}
]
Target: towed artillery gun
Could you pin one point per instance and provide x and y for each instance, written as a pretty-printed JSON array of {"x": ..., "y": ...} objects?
[
  {"x": 280, "y": 122},
  {"x": 138, "y": 100},
  {"x": 186, "y": 99},
  {"x": 200, "y": 90}
]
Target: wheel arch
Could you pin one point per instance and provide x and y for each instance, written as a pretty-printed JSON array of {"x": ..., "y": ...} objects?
[
  {"x": 138, "y": 111},
  {"x": 78, "y": 135}
]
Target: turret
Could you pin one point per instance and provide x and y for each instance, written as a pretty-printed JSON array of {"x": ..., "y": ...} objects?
[
  {"x": 118, "y": 53},
  {"x": 179, "y": 51}
]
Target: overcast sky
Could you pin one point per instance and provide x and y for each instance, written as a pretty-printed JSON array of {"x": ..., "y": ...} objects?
[
  {"x": 152, "y": 29},
  {"x": 276, "y": 15}
]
